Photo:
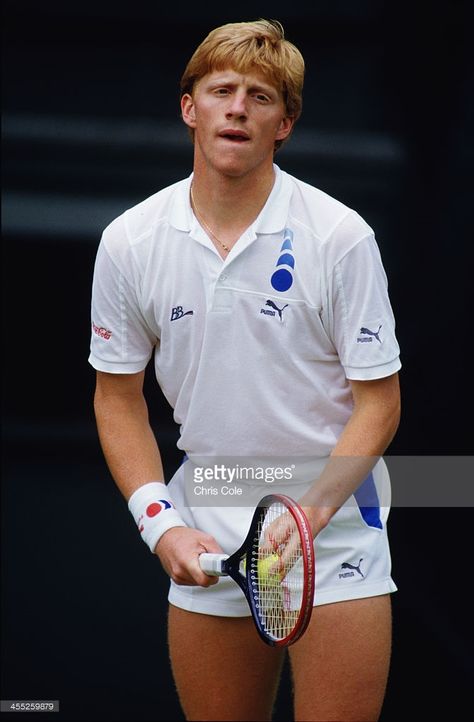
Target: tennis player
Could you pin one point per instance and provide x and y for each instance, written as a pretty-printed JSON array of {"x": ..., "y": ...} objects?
[{"x": 264, "y": 304}]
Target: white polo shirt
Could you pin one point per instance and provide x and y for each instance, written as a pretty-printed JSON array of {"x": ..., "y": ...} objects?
[{"x": 253, "y": 353}]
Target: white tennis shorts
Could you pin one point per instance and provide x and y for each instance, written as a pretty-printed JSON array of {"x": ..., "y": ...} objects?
[{"x": 352, "y": 553}]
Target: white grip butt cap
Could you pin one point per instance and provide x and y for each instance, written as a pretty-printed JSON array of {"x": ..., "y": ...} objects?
[{"x": 212, "y": 564}]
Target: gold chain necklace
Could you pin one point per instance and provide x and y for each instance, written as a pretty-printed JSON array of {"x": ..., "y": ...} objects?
[{"x": 203, "y": 223}]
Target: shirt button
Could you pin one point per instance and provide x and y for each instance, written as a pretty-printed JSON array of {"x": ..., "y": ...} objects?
[{"x": 223, "y": 277}]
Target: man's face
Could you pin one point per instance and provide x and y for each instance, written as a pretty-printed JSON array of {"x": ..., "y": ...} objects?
[{"x": 236, "y": 120}]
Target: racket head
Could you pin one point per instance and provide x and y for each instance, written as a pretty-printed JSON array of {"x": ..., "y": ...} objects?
[{"x": 280, "y": 570}]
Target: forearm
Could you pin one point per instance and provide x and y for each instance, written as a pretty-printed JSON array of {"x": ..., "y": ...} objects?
[
  {"x": 133, "y": 457},
  {"x": 128, "y": 442},
  {"x": 364, "y": 439}
]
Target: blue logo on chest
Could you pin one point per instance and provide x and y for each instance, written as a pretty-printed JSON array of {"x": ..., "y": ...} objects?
[{"x": 282, "y": 278}]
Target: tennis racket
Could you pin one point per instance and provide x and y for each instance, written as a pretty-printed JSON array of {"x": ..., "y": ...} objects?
[{"x": 274, "y": 567}]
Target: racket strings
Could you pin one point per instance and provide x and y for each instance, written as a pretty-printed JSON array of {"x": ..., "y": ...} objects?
[{"x": 278, "y": 571}]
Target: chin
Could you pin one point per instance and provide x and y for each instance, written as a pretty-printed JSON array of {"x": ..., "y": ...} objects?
[{"x": 238, "y": 167}]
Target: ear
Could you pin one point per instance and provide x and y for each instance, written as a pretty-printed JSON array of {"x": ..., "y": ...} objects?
[
  {"x": 188, "y": 112},
  {"x": 285, "y": 128}
]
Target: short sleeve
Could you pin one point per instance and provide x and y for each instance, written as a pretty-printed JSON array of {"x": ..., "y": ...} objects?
[
  {"x": 121, "y": 341},
  {"x": 363, "y": 323}
]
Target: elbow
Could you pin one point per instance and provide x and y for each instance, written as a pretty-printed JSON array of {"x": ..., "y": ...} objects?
[{"x": 393, "y": 421}]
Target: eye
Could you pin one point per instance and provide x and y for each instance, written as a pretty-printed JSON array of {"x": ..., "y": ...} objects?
[
  {"x": 262, "y": 97},
  {"x": 221, "y": 91}
]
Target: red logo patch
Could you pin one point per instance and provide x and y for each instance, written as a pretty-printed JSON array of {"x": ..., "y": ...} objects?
[
  {"x": 153, "y": 509},
  {"x": 101, "y": 331}
]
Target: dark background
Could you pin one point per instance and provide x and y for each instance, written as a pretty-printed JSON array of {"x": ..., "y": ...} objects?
[{"x": 90, "y": 127}]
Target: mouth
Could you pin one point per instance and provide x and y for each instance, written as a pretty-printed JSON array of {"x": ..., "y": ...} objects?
[{"x": 236, "y": 136}]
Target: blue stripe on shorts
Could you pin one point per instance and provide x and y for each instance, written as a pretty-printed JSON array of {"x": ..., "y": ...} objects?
[{"x": 368, "y": 502}]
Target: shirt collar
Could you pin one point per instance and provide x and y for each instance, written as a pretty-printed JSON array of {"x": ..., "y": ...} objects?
[
  {"x": 181, "y": 215},
  {"x": 274, "y": 214}
]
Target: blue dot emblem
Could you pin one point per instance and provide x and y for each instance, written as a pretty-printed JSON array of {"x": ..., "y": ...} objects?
[
  {"x": 286, "y": 260},
  {"x": 281, "y": 280}
]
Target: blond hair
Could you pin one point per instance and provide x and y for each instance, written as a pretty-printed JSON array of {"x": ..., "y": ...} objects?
[{"x": 251, "y": 46}]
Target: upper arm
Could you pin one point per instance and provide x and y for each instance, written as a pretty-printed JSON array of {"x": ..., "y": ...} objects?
[
  {"x": 383, "y": 394},
  {"x": 112, "y": 385},
  {"x": 375, "y": 417}
]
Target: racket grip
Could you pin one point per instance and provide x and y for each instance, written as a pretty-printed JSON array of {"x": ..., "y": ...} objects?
[{"x": 212, "y": 564}]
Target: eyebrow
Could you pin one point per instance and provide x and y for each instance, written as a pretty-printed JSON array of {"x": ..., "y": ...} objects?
[{"x": 257, "y": 86}]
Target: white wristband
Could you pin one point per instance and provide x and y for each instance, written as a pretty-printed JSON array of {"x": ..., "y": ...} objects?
[{"x": 154, "y": 512}]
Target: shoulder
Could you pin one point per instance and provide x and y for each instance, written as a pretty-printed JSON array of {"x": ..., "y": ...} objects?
[
  {"x": 138, "y": 223},
  {"x": 329, "y": 220}
]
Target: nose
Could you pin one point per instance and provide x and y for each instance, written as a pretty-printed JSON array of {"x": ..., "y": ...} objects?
[{"x": 238, "y": 105}]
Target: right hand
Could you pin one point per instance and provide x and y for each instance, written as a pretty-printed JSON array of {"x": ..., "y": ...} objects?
[{"x": 179, "y": 549}]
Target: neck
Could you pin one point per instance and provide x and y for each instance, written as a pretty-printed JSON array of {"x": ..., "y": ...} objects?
[{"x": 228, "y": 205}]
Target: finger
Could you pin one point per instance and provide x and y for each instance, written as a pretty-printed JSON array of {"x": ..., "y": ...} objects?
[
  {"x": 209, "y": 544},
  {"x": 199, "y": 577},
  {"x": 291, "y": 553},
  {"x": 283, "y": 541},
  {"x": 278, "y": 532}
]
